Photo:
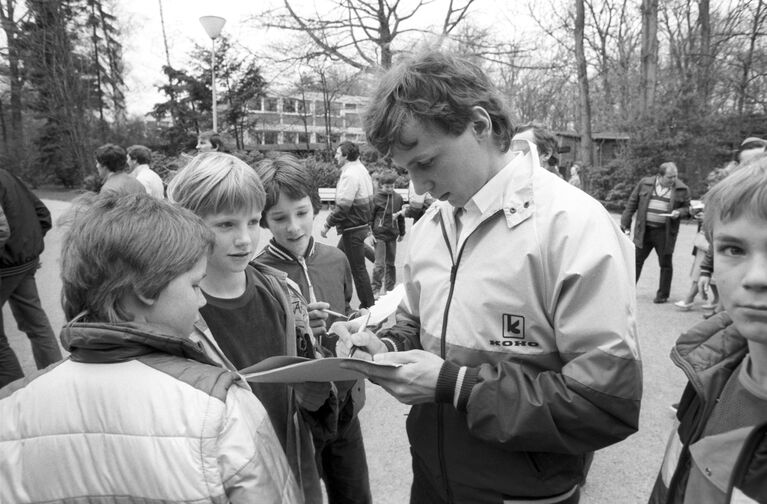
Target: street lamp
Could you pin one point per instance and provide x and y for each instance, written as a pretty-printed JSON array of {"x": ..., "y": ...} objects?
[{"x": 213, "y": 26}]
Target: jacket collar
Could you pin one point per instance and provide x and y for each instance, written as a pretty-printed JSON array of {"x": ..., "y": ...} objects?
[
  {"x": 283, "y": 253},
  {"x": 101, "y": 342},
  {"x": 709, "y": 348},
  {"x": 510, "y": 190}
]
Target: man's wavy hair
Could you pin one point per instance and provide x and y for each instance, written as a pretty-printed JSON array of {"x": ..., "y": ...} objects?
[
  {"x": 434, "y": 88},
  {"x": 122, "y": 244}
]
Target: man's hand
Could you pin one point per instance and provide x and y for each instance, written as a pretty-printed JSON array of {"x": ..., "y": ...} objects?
[
  {"x": 325, "y": 229},
  {"x": 311, "y": 395},
  {"x": 675, "y": 214},
  {"x": 318, "y": 317},
  {"x": 413, "y": 382},
  {"x": 367, "y": 344}
]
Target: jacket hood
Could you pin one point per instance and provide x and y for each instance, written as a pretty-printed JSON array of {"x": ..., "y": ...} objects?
[
  {"x": 708, "y": 348},
  {"x": 103, "y": 342}
]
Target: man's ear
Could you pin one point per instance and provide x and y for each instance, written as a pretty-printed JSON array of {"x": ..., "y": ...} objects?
[{"x": 480, "y": 121}]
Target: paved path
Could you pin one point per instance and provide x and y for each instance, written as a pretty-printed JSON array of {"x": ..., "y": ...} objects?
[{"x": 623, "y": 473}]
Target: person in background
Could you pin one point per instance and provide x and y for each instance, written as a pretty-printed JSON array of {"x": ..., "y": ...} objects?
[
  {"x": 112, "y": 163},
  {"x": 725, "y": 356},
  {"x": 139, "y": 158},
  {"x": 575, "y": 176},
  {"x": 516, "y": 338},
  {"x": 351, "y": 216},
  {"x": 544, "y": 141},
  {"x": 700, "y": 248},
  {"x": 27, "y": 220},
  {"x": 659, "y": 203},
  {"x": 388, "y": 225},
  {"x": 324, "y": 276},
  {"x": 138, "y": 413},
  {"x": 210, "y": 141}
]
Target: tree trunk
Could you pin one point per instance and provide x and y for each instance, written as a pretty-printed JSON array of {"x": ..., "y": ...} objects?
[
  {"x": 649, "y": 55},
  {"x": 587, "y": 151},
  {"x": 15, "y": 141},
  {"x": 705, "y": 58},
  {"x": 749, "y": 58}
]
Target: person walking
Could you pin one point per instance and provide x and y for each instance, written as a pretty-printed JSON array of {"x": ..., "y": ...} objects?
[
  {"x": 28, "y": 221},
  {"x": 351, "y": 216},
  {"x": 659, "y": 203},
  {"x": 139, "y": 158}
]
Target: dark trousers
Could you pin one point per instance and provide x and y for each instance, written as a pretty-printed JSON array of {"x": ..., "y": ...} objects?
[
  {"x": 422, "y": 491},
  {"x": 345, "y": 467},
  {"x": 21, "y": 293},
  {"x": 352, "y": 243},
  {"x": 386, "y": 253},
  {"x": 655, "y": 238}
]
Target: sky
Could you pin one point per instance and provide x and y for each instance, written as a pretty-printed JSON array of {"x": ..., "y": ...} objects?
[{"x": 144, "y": 53}]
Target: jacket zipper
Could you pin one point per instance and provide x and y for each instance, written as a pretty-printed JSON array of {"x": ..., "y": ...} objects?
[{"x": 443, "y": 346}]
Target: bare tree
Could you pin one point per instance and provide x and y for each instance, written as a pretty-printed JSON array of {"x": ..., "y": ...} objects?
[
  {"x": 359, "y": 33},
  {"x": 583, "y": 85}
]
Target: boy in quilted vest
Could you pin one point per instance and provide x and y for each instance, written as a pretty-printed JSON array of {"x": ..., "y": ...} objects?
[
  {"x": 138, "y": 410},
  {"x": 724, "y": 357}
]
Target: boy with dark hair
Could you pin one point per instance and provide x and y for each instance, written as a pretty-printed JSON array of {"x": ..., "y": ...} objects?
[
  {"x": 325, "y": 279},
  {"x": 252, "y": 311},
  {"x": 388, "y": 225},
  {"x": 724, "y": 357},
  {"x": 111, "y": 164},
  {"x": 138, "y": 413}
]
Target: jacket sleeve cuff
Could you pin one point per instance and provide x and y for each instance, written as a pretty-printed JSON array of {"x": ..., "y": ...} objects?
[{"x": 454, "y": 385}]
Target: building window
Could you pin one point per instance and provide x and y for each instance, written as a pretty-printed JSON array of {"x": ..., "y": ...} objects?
[
  {"x": 335, "y": 109},
  {"x": 271, "y": 104},
  {"x": 302, "y": 107},
  {"x": 289, "y": 105},
  {"x": 271, "y": 137},
  {"x": 256, "y": 104},
  {"x": 304, "y": 138},
  {"x": 289, "y": 137},
  {"x": 350, "y": 107}
]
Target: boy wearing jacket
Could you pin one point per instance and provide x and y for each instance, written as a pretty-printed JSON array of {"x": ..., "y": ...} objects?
[
  {"x": 252, "y": 311},
  {"x": 724, "y": 357},
  {"x": 138, "y": 412},
  {"x": 388, "y": 225},
  {"x": 324, "y": 277}
]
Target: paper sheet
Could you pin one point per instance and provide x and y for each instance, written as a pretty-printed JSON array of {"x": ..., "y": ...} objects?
[
  {"x": 385, "y": 306},
  {"x": 284, "y": 369}
]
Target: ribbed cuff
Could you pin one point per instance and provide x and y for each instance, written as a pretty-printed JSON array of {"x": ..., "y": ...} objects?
[
  {"x": 390, "y": 345},
  {"x": 454, "y": 385}
]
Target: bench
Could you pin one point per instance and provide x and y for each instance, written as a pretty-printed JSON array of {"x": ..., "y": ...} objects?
[{"x": 328, "y": 194}]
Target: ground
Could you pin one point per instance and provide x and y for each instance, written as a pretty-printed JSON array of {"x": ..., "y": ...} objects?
[{"x": 623, "y": 473}]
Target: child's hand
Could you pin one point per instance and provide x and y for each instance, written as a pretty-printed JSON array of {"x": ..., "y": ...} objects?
[
  {"x": 325, "y": 229},
  {"x": 318, "y": 317},
  {"x": 312, "y": 395}
]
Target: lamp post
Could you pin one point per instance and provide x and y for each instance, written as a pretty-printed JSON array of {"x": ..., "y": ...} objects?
[{"x": 213, "y": 26}]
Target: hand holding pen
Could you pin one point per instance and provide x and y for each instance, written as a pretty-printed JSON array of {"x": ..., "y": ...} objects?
[{"x": 355, "y": 340}]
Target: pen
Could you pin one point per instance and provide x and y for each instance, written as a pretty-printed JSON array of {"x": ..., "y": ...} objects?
[
  {"x": 334, "y": 313},
  {"x": 359, "y": 331}
]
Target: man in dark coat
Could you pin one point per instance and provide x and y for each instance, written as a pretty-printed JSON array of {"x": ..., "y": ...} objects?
[{"x": 659, "y": 202}]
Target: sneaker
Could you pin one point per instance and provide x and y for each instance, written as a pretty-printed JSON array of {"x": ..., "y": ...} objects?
[
  {"x": 709, "y": 306},
  {"x": 659, "y": 300},
  {"x": 684, "y": 306}
]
